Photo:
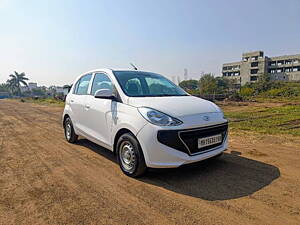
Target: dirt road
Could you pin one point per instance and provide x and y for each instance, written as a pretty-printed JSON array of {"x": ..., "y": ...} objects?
[{"x": 45, "y": 180}]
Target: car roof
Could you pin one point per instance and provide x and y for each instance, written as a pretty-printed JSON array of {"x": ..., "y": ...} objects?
[{"x": 112, "y": 70}]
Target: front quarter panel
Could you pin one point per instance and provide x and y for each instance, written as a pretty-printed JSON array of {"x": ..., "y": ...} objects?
[{"x": 128, "y": 117}]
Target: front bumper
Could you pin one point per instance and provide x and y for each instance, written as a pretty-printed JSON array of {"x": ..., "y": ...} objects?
[{"x": 158, "y": 155}]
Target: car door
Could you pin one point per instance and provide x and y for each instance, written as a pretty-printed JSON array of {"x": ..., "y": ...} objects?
[
  {"x": 77, "y": 102},
  {"x": 99, "y": 111}
]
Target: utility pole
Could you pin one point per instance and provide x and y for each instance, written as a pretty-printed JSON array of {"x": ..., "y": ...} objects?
[
  {"x": 178, "y": 79},
  {"x": 185, "y": 74}
]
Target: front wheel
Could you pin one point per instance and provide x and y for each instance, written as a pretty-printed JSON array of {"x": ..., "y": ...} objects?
[{"x": 130, "y": 156}]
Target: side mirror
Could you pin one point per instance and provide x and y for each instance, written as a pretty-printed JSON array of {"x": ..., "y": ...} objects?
[{"x": 104, "y": 93}]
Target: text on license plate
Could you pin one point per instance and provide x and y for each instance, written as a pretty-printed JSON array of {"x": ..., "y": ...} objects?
[{"x": 207, "y": 141}]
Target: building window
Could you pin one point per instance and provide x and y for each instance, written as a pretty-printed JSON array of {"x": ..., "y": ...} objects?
[
  {"x": 253, "y": 78},
  {"x": 279, "y": 70},
  {"x": 295, "y": 61},
  {"x": 288, "y": 69},
  {"x": 254, "y": 64},
  {"x": 279, "y": 63},
  {"x": 254, "y": 71},
  {"x": 288, "y": 61},
  {"x": 272, "y": 63},
  {"x": 254, "y": 58},
  {"x": 245, "y": 59},
  {"x": 272, "y": 71}
]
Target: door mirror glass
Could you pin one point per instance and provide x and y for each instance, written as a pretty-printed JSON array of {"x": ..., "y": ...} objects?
[{"x": 104, "y": 93}]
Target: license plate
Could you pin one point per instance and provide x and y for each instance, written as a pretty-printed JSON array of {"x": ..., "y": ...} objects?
[{"x": 207, "y": 141}]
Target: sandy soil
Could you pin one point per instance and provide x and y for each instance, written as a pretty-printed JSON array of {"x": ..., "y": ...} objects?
[{"x": 45, "y": 180}]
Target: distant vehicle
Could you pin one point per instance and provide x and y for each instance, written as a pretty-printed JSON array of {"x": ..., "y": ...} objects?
[
  {"x": 144, "y": 118},
  {"x": 4, "y": 95}
]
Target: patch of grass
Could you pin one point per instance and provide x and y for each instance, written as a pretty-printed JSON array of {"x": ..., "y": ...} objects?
[
  {"x": 46, "y": 101},
  {"x": 284, "y": 119},
  {"x": 277, "y": 99}
]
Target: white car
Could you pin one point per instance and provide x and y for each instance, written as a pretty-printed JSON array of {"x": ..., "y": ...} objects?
[{"x": 144, "y": 118}]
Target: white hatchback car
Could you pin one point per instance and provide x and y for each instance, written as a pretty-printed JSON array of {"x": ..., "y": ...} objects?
[{"x": 144, "y": 118}]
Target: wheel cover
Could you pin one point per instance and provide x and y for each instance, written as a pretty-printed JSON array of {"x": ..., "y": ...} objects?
[
  {"x": 68, "y": 129},
  {"x": 127, "y": 156}
]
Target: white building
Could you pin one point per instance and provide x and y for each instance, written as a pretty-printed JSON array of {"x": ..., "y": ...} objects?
[{"x": 32, "y": 85}]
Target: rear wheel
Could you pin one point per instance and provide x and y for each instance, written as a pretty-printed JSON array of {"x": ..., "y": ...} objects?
[
  {"x": 130, "y": 156},
  {"x": 69, "y": 131}
]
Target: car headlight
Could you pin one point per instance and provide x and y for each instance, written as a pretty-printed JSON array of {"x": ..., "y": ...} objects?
[{"x": 158, "y": 118}]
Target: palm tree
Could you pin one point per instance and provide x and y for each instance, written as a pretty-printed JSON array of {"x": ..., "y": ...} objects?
[{"x": 15, "y": 82}]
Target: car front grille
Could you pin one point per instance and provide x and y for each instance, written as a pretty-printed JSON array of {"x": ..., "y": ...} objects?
[{"x": 187, "y": 140}]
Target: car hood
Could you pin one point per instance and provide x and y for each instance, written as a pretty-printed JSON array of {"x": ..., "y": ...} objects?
[{"x": 176, "y": 105}]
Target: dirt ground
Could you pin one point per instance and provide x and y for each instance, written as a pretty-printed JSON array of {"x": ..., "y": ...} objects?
[{"x": 45, "y": 180}]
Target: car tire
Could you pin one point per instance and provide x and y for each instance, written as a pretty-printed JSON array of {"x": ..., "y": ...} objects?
[
  {"x": 70, "y": 134},
  {"x": 130, "y": 156}
]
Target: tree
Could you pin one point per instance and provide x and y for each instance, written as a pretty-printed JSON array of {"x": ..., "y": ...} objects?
[
  {"x": 247, "y": 91},
  {"x": 15, "y": 82},
  {"x": 263, "y": 83},
  {"x": 224, "y": 85},
  {"x": 189, "y": 84},
  {"x": 4, "y": 88},
  {"x": 207, "y": 84}
]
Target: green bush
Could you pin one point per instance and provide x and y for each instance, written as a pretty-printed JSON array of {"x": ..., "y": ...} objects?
[
  {"x": 193, "y": 92},
  {"x": 189, "y": 85},
  {"x": 273, "y": 92},
  {"x": 281, "y": 92},
  {"x": 247, "y": 91},
  {"x": 236, "y": 96}
]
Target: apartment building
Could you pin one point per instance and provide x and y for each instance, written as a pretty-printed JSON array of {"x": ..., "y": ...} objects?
[{"x": 254, "y": 64}]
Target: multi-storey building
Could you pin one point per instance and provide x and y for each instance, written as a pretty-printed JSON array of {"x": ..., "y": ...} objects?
[{"x": 254, "y": 64}]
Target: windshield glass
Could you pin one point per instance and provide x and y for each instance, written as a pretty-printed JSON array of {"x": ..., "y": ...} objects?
[{"x": 145, "y": 84}]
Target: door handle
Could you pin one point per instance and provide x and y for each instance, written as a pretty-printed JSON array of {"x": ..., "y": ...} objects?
[
  {"x": 87, "y": 106},
  {"x": 72, "y": 100}
]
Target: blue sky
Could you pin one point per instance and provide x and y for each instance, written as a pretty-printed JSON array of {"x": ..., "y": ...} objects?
[{"x": 55, "y": 41}]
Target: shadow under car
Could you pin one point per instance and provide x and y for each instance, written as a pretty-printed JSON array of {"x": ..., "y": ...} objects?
[{"x": 228, "y": 177}]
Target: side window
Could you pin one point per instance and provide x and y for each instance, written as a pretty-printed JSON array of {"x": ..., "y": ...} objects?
[
  {"x": 81, "y": 87},
  {"x": 101, "y": 81}
]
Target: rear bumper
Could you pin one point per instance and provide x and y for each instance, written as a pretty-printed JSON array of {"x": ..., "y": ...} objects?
[{"x": 159, "y": 155}]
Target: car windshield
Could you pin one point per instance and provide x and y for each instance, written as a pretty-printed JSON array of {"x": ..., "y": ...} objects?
[{"x": 145, "y": 84}]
